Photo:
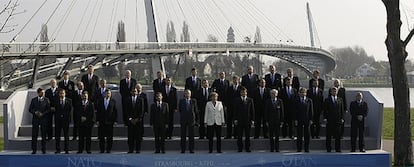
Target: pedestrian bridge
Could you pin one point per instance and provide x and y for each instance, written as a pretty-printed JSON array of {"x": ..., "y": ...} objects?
[{"x": 307, "y": 58}]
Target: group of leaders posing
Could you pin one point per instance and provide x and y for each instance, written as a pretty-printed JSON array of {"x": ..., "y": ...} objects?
[{"x": 275, "y": 106}]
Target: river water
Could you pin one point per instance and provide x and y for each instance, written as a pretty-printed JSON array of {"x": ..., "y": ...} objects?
[{"x": 385, "y": 95}]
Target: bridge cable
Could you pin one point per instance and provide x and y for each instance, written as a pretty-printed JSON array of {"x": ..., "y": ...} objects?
[
  {"x": 89, "y": 21},
  {"x": 27, "y": 22},
  {"x": 96, "y": 21},
  {"x": 113, "y": 22},
  {"x": 214, "y": 26},
  {"x": 136, "y": 22},
  {"x": 80, "y": 23},
  {"x": 186, "y": 20},
  {"x": 109, "y": 34},
  {"x": 201, "y": 24},
  {"x": 234, "y": 26},
  {"x": 239, "y": 20},
  {"x": 63, "y": 21}
]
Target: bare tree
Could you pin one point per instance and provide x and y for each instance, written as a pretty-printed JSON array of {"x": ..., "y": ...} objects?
[
  {"x": 8, "y": 11},
  {"x": 397, "y": 55},
  {"x": 211, "y": 38}
]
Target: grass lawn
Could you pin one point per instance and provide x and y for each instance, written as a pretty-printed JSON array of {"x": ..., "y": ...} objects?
[
  {"x": 1, "y": 120},
  {"x": 388, "y": 124}
]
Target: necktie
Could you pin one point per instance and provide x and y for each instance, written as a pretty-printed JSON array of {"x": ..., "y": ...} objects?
[
  {"x": 222, "y": 82},
  {"x": 194, "y": 81},
  {"x": 127, "y": 82},
  {"x": 168, "y": 91},
  {"x": 261, "y": 93},
  {"x": 106, "y": 104},
  {"x": 273, "y": 78},
  {"x": 235, "y": 87},
  {"x": 133, "y": 101},
  {"x": 288, "y": 92},
  {"x": 62, "y": 103},
  {"x": 205, "y": 93},
  {"x": 159, "y": 105}
]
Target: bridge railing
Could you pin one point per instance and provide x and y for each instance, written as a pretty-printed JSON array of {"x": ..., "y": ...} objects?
[{"x": 63, "y": 47}]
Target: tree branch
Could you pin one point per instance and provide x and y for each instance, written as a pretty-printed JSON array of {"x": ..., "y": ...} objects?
[{"x": 410, "y": 35}]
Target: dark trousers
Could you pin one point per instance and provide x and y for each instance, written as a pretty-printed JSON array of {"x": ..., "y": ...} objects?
[
  {"x": 303, "y": 134},
  {"x": 170, "y": 123},
  {"x": 134, "y": 137},
  {"x": 333, "y": 130},
  {"x": 243, "y": 128},
  {"x": 230, "y": 129},
  {"x": 35, "y": 134},
  {"x": 202, "y": 128},
  {"x": 357, "y": 130},
  {"x": 49, "y": 125},
  {"x": 184, "y": 128},
  {"x": 159, "y": 133},
  {"x": 274, "y": 132},
  {"x": 316, "y": 125},
  {"x": 210, "y": 134},
  {"x": 61, "y": 124},
  {"x": 85, "y": 133},
  {"x": 287, "y": 128},
  {"x": 105, "y": 135},
  {"x": 76, "y": 130},
  {"x": 259, "y": 123}
]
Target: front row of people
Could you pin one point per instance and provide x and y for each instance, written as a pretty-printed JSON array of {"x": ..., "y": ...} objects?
[{"x": 106, "y": 116}]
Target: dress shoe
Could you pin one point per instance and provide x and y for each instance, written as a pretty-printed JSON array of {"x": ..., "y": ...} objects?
[
  {"x": 201, "y": 138},
  {"x": 227, "y": 137},
  {"x": 182, "y": 152},
  {"x": 43, "y": 151},
  {"x": 277, "y": 151},
  {"x": 298, "y": 150},
  {"x": 88, "y": 152},
  {"x": 362, "y": 150},
  {"x": 108, "y": 151},
  {"x": 79, "y": 152},
  {"x": 306, "y": 151},
  {"x": 210, "y": 151},
  {"x": 272, "y": 150},
  {"x": 137, "y": 152},
  {"x": 219, "y": 152},
  {"x": 66, "y": 152},
  {"x": 163, "y": 152},
  {"x": 256, "y": 137},
  {"x": 156, "y": 152},
  {"x": 74, "y": 138},
  {"x": 33, "y": 152},
  {"x": 352, "y": 150},
  {"x": 129, "y": 152},
  {"x": 266, "y": 137},
  {"x": 192, "y": 152},
  {"x": 328, "y": 151},
  {"x": 239, "y": 151},
  {"x": 101, "y": 152},
  {"x": 338, "y": 151},
  {"x": 248, "y": 150},
  {"x": 57, "y": 152}
]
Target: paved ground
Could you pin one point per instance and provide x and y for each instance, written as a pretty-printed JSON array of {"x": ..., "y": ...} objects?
[{"x": 388, "y": 145}]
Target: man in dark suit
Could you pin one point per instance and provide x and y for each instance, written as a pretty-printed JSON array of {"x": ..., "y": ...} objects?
[
  {"x": 63, "y": 113},
  {"x": 86, "y": 114},
  {"x": 303, "y": 120},
  {"x": 142, "y": 95},
  {"x": 243, "y": 118},
  {"x": 333, "y": 115},
  {"x": 203, "y": 98},
  {"x": 274, "y": 118},
  {"x": 260, "y": 96},
  {"x": 316, "y": 94},
  {"x": 359, "y": 111},
  {"x": 158, "y": 84},
  {"x": 188, "y": 119},
  {"x": 193, "y": 83},
  {"x": 295, "y": 79},
  {"x": 39, "y": 108},
  {"x": 342, "y": 95},
  {"x": 53, "y": 95},
  {"x": 233, "y": 92},
  {"x": 158, "y": 121},
  {"x": 106, "y": 118},
  {"x": 250, "y": 81},
  {"x": 67, "y": 84},
  {"x": 169, "y": 94},
  {"x": 316, "y": 76},
  {"x": 101, "y": 91},
  {"x": 273, "y": 79},
  {"x": 77, "y": 104},
  {"x": 133, "y": 119},
  {"x": 91, "y": 82},
  {"x": 288, "y": 95},
  {"x": 220, "y": 86},
  {"x": 126, "y": 85}
]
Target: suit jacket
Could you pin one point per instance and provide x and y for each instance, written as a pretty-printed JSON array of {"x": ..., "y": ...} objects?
[
  {"x": 145, "y": 100},
  {"x": 317, "y": 99},
  {"x": 52, "y": 96},
  {"x": 109, "y": 115},
  {"x": 188, "y": 115},
  {"x": 202, "y": 100},
  {"x": 221, "y": 88},
  {"x": 63, "y": 112},
  {"x": 274, "y": 113},
  {"x": 304, "y": 111},
  {"x": 69, "y": 88},
  {"x": 170, "y": 98},
  {"x": 277, "y": 81},
  {"x": 157, "y": 86},
  {"x": 159, "y": 116},
  {"x": 214, "y": 114},
  {"x": 333, "y": 112},
  {"x": 125, "y": 89},
  {"x": 243, "y": 111},
  {"x": 250, "y": 84},
  {"x": 320, "y": 81},
  {"x": 357, "y": 108},
  {"x": 289, "y": 102},
  {"x": 77, "y": 100},
  {"x": 91, "y": 86},
  {"x": 99, "y": 94},
  {"x": 232, "y": 94},
  {"x": 295, "y": 82},
  {"x": 134, "y": 111},
  {"x": 260, "y": 101},
  {"x": 87, "y": 111},
  {"x": 342, "y": 95},
  {"x": 195, "y": 88},
  {"x": 42, "y": 106}
]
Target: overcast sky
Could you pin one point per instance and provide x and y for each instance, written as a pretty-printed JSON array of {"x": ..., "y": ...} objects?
[{"x": 339, "y": 23}]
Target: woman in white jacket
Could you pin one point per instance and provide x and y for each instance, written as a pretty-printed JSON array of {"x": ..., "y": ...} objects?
[{"x": 214, "y": 119}]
